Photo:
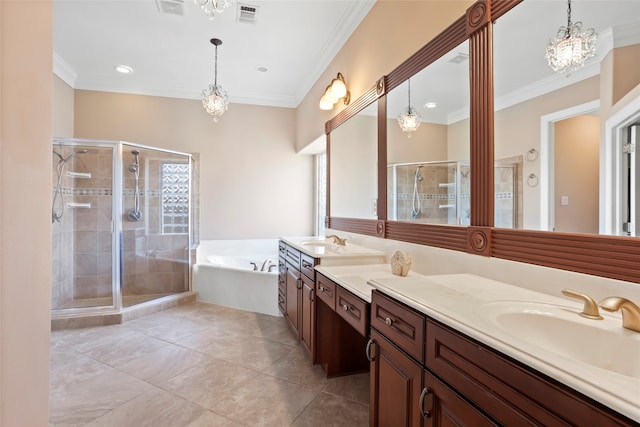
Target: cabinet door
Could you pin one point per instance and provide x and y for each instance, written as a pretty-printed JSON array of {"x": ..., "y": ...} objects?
[
  {"x": 396, "y": 383},
  {"x": 307, "y": 316},
  {"x": 294, "y": 286},
  {"x": 441, "y": 406}
]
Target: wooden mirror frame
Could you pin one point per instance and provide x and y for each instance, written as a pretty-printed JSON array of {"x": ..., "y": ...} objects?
[{"x": 613, "y": 257}]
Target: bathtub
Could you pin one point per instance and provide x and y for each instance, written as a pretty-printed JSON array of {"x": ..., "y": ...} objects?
[{"x": 235, "y": 273}]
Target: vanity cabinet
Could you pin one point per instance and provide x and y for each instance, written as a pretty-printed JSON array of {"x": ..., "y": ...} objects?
[
  {"x": 424, "y": 373},
  {"x": 296, "y": 293}
]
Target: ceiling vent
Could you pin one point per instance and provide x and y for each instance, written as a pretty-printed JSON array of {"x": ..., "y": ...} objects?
[
  {"x": 246, "y": 14},
  {"x": 171, "y": 7},
  {"x": 459, "y": 58}
]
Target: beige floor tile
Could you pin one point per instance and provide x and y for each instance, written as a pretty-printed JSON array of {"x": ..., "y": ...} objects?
[
  {"x": 155, "y": 408},
  {"x": 265, "y": 401},
  {"x": 210, "y": 419},
  {"x": 253, "y": 353},
  {"x": 297, "y": 368},
  {"x": 167, "y": 326},
  {"x": 90, "y": 395},
  {"x": 162, "y": 364},
  {"x": 328, "y": 410},
  {"x": 126, "y": 345},
  {"x": 352, "y": 387},
  {"x": 207, "y": 382}
]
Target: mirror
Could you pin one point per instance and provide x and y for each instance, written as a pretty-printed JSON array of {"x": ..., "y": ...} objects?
[
  {"x": 428, "y": 168},
  {"x": 353, "y": 159},
  {"x": 563, "y": 135}
]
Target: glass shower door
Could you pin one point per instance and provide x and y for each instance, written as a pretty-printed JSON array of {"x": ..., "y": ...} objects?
[
  {"x": 155, "y": 224},
  {"x": 82, "y": 230}
]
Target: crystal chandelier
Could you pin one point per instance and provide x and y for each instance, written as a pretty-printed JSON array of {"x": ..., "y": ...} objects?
[
  {"x": 211, "y": 7},
  {"x": 215, "y": 99},
  {"x": 571, "y": 47},
  {"x": 409, "y": 121}
]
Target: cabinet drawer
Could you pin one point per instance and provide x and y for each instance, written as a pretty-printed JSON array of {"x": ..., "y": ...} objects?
[
  {"x": 404, "y": 326},
  {"x": 282, "y": 302},
  {"x": 326, "y": 291},
  {"x": 293, "y": 257},
  {"x": 512, "y": 393},
  {"x": 282, "y": 250},
  {"x": 352, "y": 309},
  {"x": 307, "y": 265}
]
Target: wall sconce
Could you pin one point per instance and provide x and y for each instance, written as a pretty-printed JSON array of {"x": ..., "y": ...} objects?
[{"x": 336, "y": 91}]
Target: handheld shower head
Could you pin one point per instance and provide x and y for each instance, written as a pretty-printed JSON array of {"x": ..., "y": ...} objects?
[{"x": 418, "y": 176}]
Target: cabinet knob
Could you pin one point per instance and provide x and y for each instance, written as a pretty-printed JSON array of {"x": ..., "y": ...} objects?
[
  {"x": 345, "y": 307},
  {"x": 321, "y": 288},
  {"x": 388, "y": 321}
]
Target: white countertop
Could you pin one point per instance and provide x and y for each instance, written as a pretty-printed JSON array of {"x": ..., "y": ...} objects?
[
  {"x": 333, "y": 254},
  {"x": 468, "y": 303}
]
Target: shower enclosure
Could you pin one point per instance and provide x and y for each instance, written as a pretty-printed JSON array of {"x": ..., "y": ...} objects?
[
  {"x": 120, "y": 220},
  {"x": 439, "y": 192}
]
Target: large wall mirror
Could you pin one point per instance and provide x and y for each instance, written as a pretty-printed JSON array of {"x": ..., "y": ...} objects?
[
  {"x": 561, "y": 137},
  {"x": 428, "y": 170},
  {"x": 353, "y": 158}
]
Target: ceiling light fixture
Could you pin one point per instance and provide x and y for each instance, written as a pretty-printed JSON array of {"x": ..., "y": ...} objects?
[
  {"x": 409, "y": 121},
  {"x": 124, "y": 69},
  {"x": 336, "y": 91},
  {"x": 211, "y": 7},
  {"x": 571, "y": 47},
  {"x": 430, "y": 105},
  {"x": 215, "y": 99}
]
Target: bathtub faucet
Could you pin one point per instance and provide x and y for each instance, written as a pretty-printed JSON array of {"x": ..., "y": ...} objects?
[
  {"x": 272, "y": 267},
  {"x": 255, "y": 266},
  {"x": 265, "y": 265},
  {"x": 338, "y": 240}
]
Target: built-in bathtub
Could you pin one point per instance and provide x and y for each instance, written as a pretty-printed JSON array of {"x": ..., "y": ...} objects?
[{"x": 238, "y": 273}]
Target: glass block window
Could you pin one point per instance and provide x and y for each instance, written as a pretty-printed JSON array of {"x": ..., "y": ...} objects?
[
  {"x": 321, "y": 192},
  {"x": 175, "y": 198}
]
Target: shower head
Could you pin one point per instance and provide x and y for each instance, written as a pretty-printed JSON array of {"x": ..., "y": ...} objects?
[
  {"x": 418, "y": 176},
  {"x": 71, "y": 156}
]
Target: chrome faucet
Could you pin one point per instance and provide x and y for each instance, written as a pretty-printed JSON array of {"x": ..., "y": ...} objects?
[
  {"x": 265, "y": 265},
  {"x": 630, "y": 311},
  {"x": 337, "y": 240}
]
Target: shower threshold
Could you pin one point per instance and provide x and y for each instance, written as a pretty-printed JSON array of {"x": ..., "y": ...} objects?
[{"x": 134, "y": 307}]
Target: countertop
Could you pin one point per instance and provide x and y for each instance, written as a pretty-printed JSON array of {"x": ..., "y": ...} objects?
[
  {"x": 469, "y": 304},
  {"x": 333, "y": 254}
]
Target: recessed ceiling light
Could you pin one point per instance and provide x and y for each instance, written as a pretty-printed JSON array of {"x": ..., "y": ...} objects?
[
  {"x": 262, "y": 68},
  {"x": 430, "y": 105},
  {"x": 123, "y": 69}
]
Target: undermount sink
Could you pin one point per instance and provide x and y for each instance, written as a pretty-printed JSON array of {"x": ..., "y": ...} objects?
[
  {"x": 603, "y": 344},
  {"x": 319, "y": 243}
]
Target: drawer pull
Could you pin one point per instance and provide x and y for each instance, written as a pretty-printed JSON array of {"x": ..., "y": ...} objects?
[
  {"x": 306, "y": 264},
  {"x": 322, "y": 288},
  {"x": 345, "y": 307},
  {"x": 388, "y": 321},
  {"x": 425, "y": 414},
  {"x": 368, "y": 350}
]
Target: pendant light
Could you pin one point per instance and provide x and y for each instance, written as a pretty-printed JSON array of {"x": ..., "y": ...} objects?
[
  {"x": 571, "y": 47},
  {"x": 409, "y": 121},
  {"x": 215, "y": 99}
]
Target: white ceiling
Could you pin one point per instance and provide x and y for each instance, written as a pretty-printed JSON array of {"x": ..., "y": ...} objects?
[
  {"x": 172, "y": 56},
  {"x": 296, "y": 40}
]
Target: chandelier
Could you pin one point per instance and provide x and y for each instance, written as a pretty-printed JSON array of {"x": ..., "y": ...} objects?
[
  {"x": 211, "y": 7},
  {"x": 409, "y": 121},
  {"x": 571, "y": 47},
  {"x": 214, "y": 99}
]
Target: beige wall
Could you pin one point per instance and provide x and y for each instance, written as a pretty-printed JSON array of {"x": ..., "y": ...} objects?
[
  {"x": 25, "y": 209},
  {"x": 373, "y": 51},
  {"x": 576, "y": 156},
  {"x": 63, "y": 111},
  {"x": 427, "y": 143},
  {"x": 625, "y": 74},
  {"x": 252, "y": 182}
]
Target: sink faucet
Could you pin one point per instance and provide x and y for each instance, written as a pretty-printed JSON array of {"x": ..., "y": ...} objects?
[
  {"x": 630, "y": 311},
  {"x": 590, "y": 309},
  {"x": 337, "y": 240}
]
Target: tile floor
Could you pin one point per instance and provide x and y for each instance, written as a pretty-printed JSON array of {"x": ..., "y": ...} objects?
[{"x": 196, "y": 365}]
